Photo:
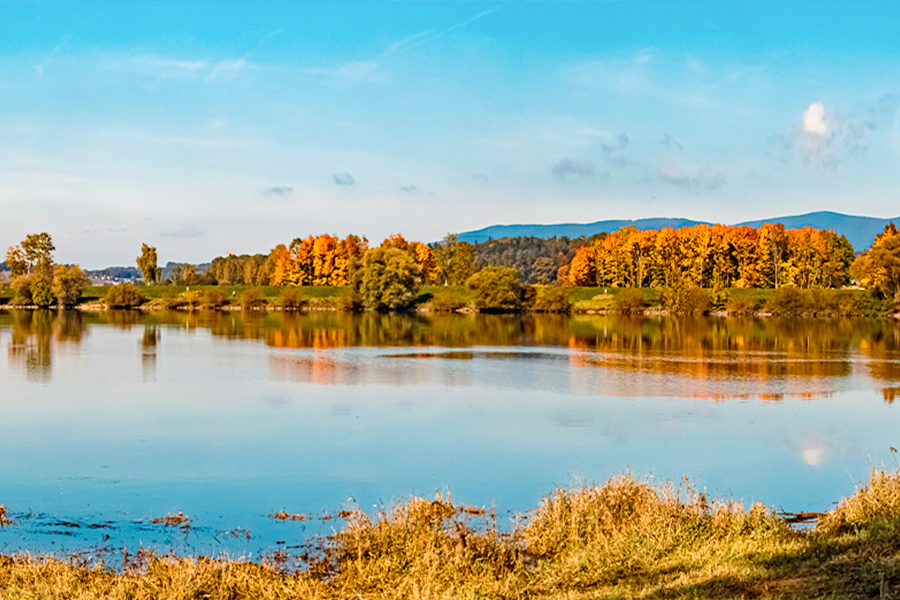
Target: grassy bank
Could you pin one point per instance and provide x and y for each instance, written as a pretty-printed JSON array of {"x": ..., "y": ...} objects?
[
  {"x": 784, "y": 302},
  {"x": 620, "y": 540}
]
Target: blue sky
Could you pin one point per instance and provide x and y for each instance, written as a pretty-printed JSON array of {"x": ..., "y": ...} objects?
[{"x": 212, "y": 128}]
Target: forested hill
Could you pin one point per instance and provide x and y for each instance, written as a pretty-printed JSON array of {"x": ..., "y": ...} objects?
[
  {"x": 569, "y": 230},
  {"x": 860, "y": 231}
]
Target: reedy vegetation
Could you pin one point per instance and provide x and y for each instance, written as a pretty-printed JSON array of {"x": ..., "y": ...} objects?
[{"x": 621, "y": 539}]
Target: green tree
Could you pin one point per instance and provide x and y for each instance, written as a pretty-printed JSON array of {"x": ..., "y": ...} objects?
[
  {"x": 68, "y": 284},
  {"x": 390, "y": 279},
  {"x": 462, "y": 266},
  {"x": 497, "y": 289},
  {"x": 146, "y": 262}
]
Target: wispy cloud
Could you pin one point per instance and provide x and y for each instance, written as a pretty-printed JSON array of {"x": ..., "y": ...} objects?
[
  {"x": 670, "y": 142},
  {"x": 569, "y": 168},
  {"x": 62, "y": 44},
  {"x": 825, "y": 139},
  {"x": 373, "y": 70},
  {"x": 705, "y": 180},
  {"x": 280, "y": 191},
  {"x": 343, "y": 178},
  {"x": 161, "y": 68},
  {"x": 614, "y": 154},
  {"x": 180, "y": 233}
]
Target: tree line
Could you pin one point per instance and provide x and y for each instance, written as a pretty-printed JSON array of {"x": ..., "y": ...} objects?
[{"x": 714, "y": 256}]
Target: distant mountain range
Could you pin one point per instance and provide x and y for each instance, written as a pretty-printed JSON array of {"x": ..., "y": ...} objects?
[{"x": 860, "y": 231}]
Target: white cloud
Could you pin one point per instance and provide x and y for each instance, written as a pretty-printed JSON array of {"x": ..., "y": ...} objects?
[
  {"x": 824, "y": 138},
  {"x": 814, "y": 120}
]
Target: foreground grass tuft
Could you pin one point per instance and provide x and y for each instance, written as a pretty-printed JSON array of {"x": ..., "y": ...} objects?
[{"x": 624, "y": 539}]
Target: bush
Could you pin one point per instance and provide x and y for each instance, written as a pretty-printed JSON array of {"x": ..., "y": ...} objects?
[
  {"x": 213, "y": 299},
  {"x": 787, "y": 302},
  {"x": 292, "y": 299},
  {"x": 741, "y": 305},
  {"x": 497, "y": 289},
  {"x": 629, "y": 302},
  {"x": 686, "y": 300},
  {"x": 123, "y": 295},
  {"x": 552, "y": 299},
  {"x": 859, "y": 303},
  {"x": 252, "y": 299},
  {"x": 190, "y": 299},
  {"x": 32, "y": 289},
  {"x": 446, "y": 301}
]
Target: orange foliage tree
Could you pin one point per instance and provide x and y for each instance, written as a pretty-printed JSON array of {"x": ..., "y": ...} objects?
[{"x": 715, "y": 256}]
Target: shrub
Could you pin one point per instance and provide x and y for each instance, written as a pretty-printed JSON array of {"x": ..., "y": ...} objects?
[
  {"x": 252, "y": 299},
  {"x": 497, "y": 289},
  {"x": 292, "y": 299},
  {"x": 446, "y": 301},
  {"x": 787, "y": 302},
  {"x": 123, "y": 295},
  {"x": 552, "y": 299},
  {"x": 32, "y": 289},
  {"x": 213, "y": 299},
  {"x": 190, "y": 299},
  {"x": 169, "y": 302},
  {"x": 685, "y": 300},
  {"x": 741, "y": 305},
  {"x": 859, "y": 303},
  {"x": 629, "y": 302}
]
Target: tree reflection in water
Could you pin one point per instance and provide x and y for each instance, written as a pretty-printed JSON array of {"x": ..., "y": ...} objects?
[{"x": 696, "y": 357}]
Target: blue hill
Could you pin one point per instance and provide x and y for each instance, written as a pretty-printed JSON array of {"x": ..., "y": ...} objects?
[
  {"x": 860, "y": 231},
  {"x": 569, "y": 230}
]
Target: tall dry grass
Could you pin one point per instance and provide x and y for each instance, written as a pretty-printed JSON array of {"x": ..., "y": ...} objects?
[{"x": 623, "y": 539}]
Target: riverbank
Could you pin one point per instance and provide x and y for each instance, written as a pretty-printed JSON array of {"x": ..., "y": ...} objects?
[
  {"x": 624, "y": 539},
  {"x": 784, "y": 302}
]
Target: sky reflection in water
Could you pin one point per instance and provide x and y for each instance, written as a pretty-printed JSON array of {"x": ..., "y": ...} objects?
[{"x": 111, "y": 420}]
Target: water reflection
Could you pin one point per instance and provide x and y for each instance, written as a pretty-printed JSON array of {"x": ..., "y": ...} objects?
[
  {"x": 33, "y": 336},
  {"x": 149, "y": 342},
  {"x": 713, "y": 358}
]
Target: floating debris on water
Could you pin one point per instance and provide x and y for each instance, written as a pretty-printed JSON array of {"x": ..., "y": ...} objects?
[
  {"x": 179, "y": 519},
  {"x": 283, "y": 515}
]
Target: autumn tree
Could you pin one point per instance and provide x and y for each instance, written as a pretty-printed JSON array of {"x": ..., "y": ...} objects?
[
  {"x": 878, "y": 268},
  {"x": 68, "y": 284},
  {"x": 146, "y": 264},
  {"x": 32, "y": 265},
  {"x": 582, "y": 271}
]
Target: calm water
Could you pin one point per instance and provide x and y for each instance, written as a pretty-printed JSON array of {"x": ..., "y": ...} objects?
[{"x": 109, "y": 421}]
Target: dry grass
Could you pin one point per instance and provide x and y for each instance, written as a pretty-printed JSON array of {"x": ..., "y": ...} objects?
[{"x": 624, "y": 539}]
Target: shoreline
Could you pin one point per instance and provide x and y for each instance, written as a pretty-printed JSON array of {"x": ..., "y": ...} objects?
[
  {"x": 651, "y": 312},
  {"x": 624, "y": 538}
]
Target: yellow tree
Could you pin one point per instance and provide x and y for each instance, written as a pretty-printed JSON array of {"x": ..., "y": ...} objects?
[
  {"x": 323, "y": 255},
  {"x": 424, "y": 257},
  {"x": 302, "y": 254},
  {"x": 282, "y": 265}
]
